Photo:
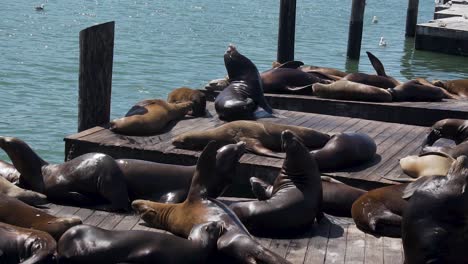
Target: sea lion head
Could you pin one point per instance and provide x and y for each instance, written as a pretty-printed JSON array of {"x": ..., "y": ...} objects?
[
  {"x": 237, "y": 65},
  {"x": 445, "y": 128},
  {"x": 298, "y": 158},
  {"x": 437, "y": 163},
  {"x": 438, "y": 83},
  {"x": 207, "y": 234},
  {"x": 41, "y": 248}
]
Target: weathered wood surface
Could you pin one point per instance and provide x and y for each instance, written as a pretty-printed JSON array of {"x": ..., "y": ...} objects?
[
  {"x": 412, "y": 113},
  {"x": 333, "y": 240},
  {"x": 394, "y": 141},
  {"x": 454, "y": 10}
]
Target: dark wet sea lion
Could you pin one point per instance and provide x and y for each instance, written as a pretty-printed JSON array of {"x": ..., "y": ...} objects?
[
  {"x": 336, "y": 74},
  {"x": 417, "y": 91},
  {"x": 15, "y": 212},
  {"x": 89, "y": 244},
  {"x": 185, "y": 94},
  {"x": 435, "y": 220},
  {"x": 345, "y": 150},
  {"x": 241, "y": 97},
  {"x": 25, "y": 246},
  {"x": 170, "y": 183},
  {"x": 427, "y": 164},
  {"x": 457, "y": 87},
  {"x": 296, "y": 195},
  {"x": 198, "y": 208},
  {"x": 337, "y": 198},
  {"x": 80, "y": 180},
  {"x": 450, "y": 128},
  {"x": 149, "y": 117},
  {"x": 347, "y": 90},
  {"x": 454, "y": 152},
  {"x": 261, "y": 138},
  {"x": 9, "y": 172},
  {"x": 33, "y": 198}
]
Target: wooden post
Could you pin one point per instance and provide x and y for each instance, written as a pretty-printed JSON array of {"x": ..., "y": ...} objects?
[
  {"x": 286, "y": 31},
  {"x": 95, "y": 80},
  {"x": 411, "y": 18},
  {"x": 355, "y": 28}
]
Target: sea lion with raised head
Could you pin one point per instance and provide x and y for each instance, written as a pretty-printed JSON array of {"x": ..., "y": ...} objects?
[
  {"x": 348, "y": 90},
  {"x": 149, "y": 117},
  {"x": 90, "y": 244},
  {"x": 32, "y": 198},
  {"x": 435, "y": 220},
  {"x": 296, "y": 196},
  {"x": 25, "y": 246},
  {"x": 458, "y": 87},
  {"x": 262, "y": 138},
  {"x": 185, "y": 94},
  {"x": 199, "y": 208},
  {"x": 15, "y": 212},
  {"x": 244, "y": 93},
  {"x": 9, "y": 172},
  {"x": 426, "y": 164},
  {"x": 450, "y": 128},
  {"x": 81, "y": 180},
  {"x": 345, "y": 150},
  {"x": 169, "y": 183}
]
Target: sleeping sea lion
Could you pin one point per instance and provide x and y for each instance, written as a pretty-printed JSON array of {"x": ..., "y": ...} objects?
[
  {"x": 426, "y": 164},
  {"x": 262, "y": 138},
  {"x": 450, "y": 128},
  {"x": 32, "y": 198},
  {"x": 348, "y": 90},
  {"x": 244, "y": 93},
  {"x": 149, "y": 117},
  {"x": 296, "y": 196},
  {"x": 80, "y": 180},
  {"x": 418, "y": 91},
  {"x": 198, "y": 208},
  {"x": 90, "y": 244},
  {"x": 185, "y": 94},
  {"x": 457, "y": 87}
]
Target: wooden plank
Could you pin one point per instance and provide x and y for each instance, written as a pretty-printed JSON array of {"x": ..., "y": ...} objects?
[
  {"x": 85, "y": 133},
  {"x": 336, "y": 246},
  {"x": 355, "y": 245},
  {"x": 317, "y": 246},
  {"x": 298, "y": 247},
  {"x": 68, "y": 211},
  {"x": 111, "y": 221},
  {"x": 280, "y": 246},
  {"x": 374, "y": 250},
  {"x": 128, "y": 222},
  {"x": 53, "y": 209},
  {"x": 393, "y": 250},
  {"x": 96, "y": 218},
  {"x": 84, "y": 214}
]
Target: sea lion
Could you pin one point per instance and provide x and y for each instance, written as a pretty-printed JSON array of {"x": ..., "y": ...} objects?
[
  {"x": 241, "y": 97},
  {"x": 296, "y": 196},
  {"x": 25, "y": 246},
  {"x": 149, "y": 117},
  {"x": 426, "y": 164},
  {"x": 457, "y": 87},
  {"x": 450, "y": 128},
  {"x": 454, "y": 152},
  {"x": 261, "y": 138},
  {"x": 170, "y": 183},
  {"x": 9, "y": 172},
  {"x": 90, "y": 244},
  {"x": 80, "y": 180},
  {"x": 345, "y": 150},
  {"x": 418, "y": 91},
  {"x": 15, "y": 212},
  {"x": 347, "y": 90},
  {"x": 32, "y": 198},
  {"x": 435, "y": 220},
  {"x": 185, "y": 94},
  {"x": 198, "y": 208},
  {"x": 337, "y": 197},
  {"x": 334, "y": 73}
]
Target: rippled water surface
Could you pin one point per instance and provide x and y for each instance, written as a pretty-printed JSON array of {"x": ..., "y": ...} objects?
[{"x": 161, "y": 45}]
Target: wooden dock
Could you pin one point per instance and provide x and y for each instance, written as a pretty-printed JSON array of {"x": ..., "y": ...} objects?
[
  {"x": 394, "y": 141},
  {"x": 453, "y": 10},
  {"x": 412, "y": 113},
  {"x": 333, "y": 240}
]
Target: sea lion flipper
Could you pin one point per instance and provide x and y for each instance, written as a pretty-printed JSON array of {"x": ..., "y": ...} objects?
[
  {"x": 261, "y": 189},
  {"x": 409, "y": 190},
  {"x": 256, "y": 147},
  {"x": 136, "y": 110},
  {"x": 377, "y": 64},
  {"x": 299, "y": 88}
]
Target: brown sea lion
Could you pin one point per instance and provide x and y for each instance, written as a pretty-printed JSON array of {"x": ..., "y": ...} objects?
[
  {"x": 337, "y": 198},
  {"x": 90, "y": 244},
  {"x": 345, "y": 150},
  {"x": 15, "y": 212},
  {"x": 81, "y": 180},
  {"x": 244, "y": 93},
  {"x": 185, "y": 94},
  {"x": 296, "y": 196},
  {"x": 25, "y": 246},
  {"x": 149, "y": 117},
  {"x": 435, "y": 220},
  {"x": 347, "y": 90},
  {"x": 198, "y": 208},
  {"x": 170, "y": 183},
  {"x": 426, "y": 164},
  {"x": 9, "y": 172},
  {"x": 454, "y": 152},
  {"x": 418, "y": 91},
  {"x": 33, "y": 198},
  {"x": 458, "y": 87},
  {"x": 261, "y": 138},
  {"x": 450, "y": 128}
]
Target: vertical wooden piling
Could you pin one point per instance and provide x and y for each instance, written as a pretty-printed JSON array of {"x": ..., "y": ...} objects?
[
  {"x": 411, "y": 18},
  {"x": 286, "y": 31},
  {"x": 355, "y": 28},
  {"x": 95, "y": 79}
]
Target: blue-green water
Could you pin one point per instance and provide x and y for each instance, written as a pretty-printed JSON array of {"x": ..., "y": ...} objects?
[{"x": 161, "y": 45}]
